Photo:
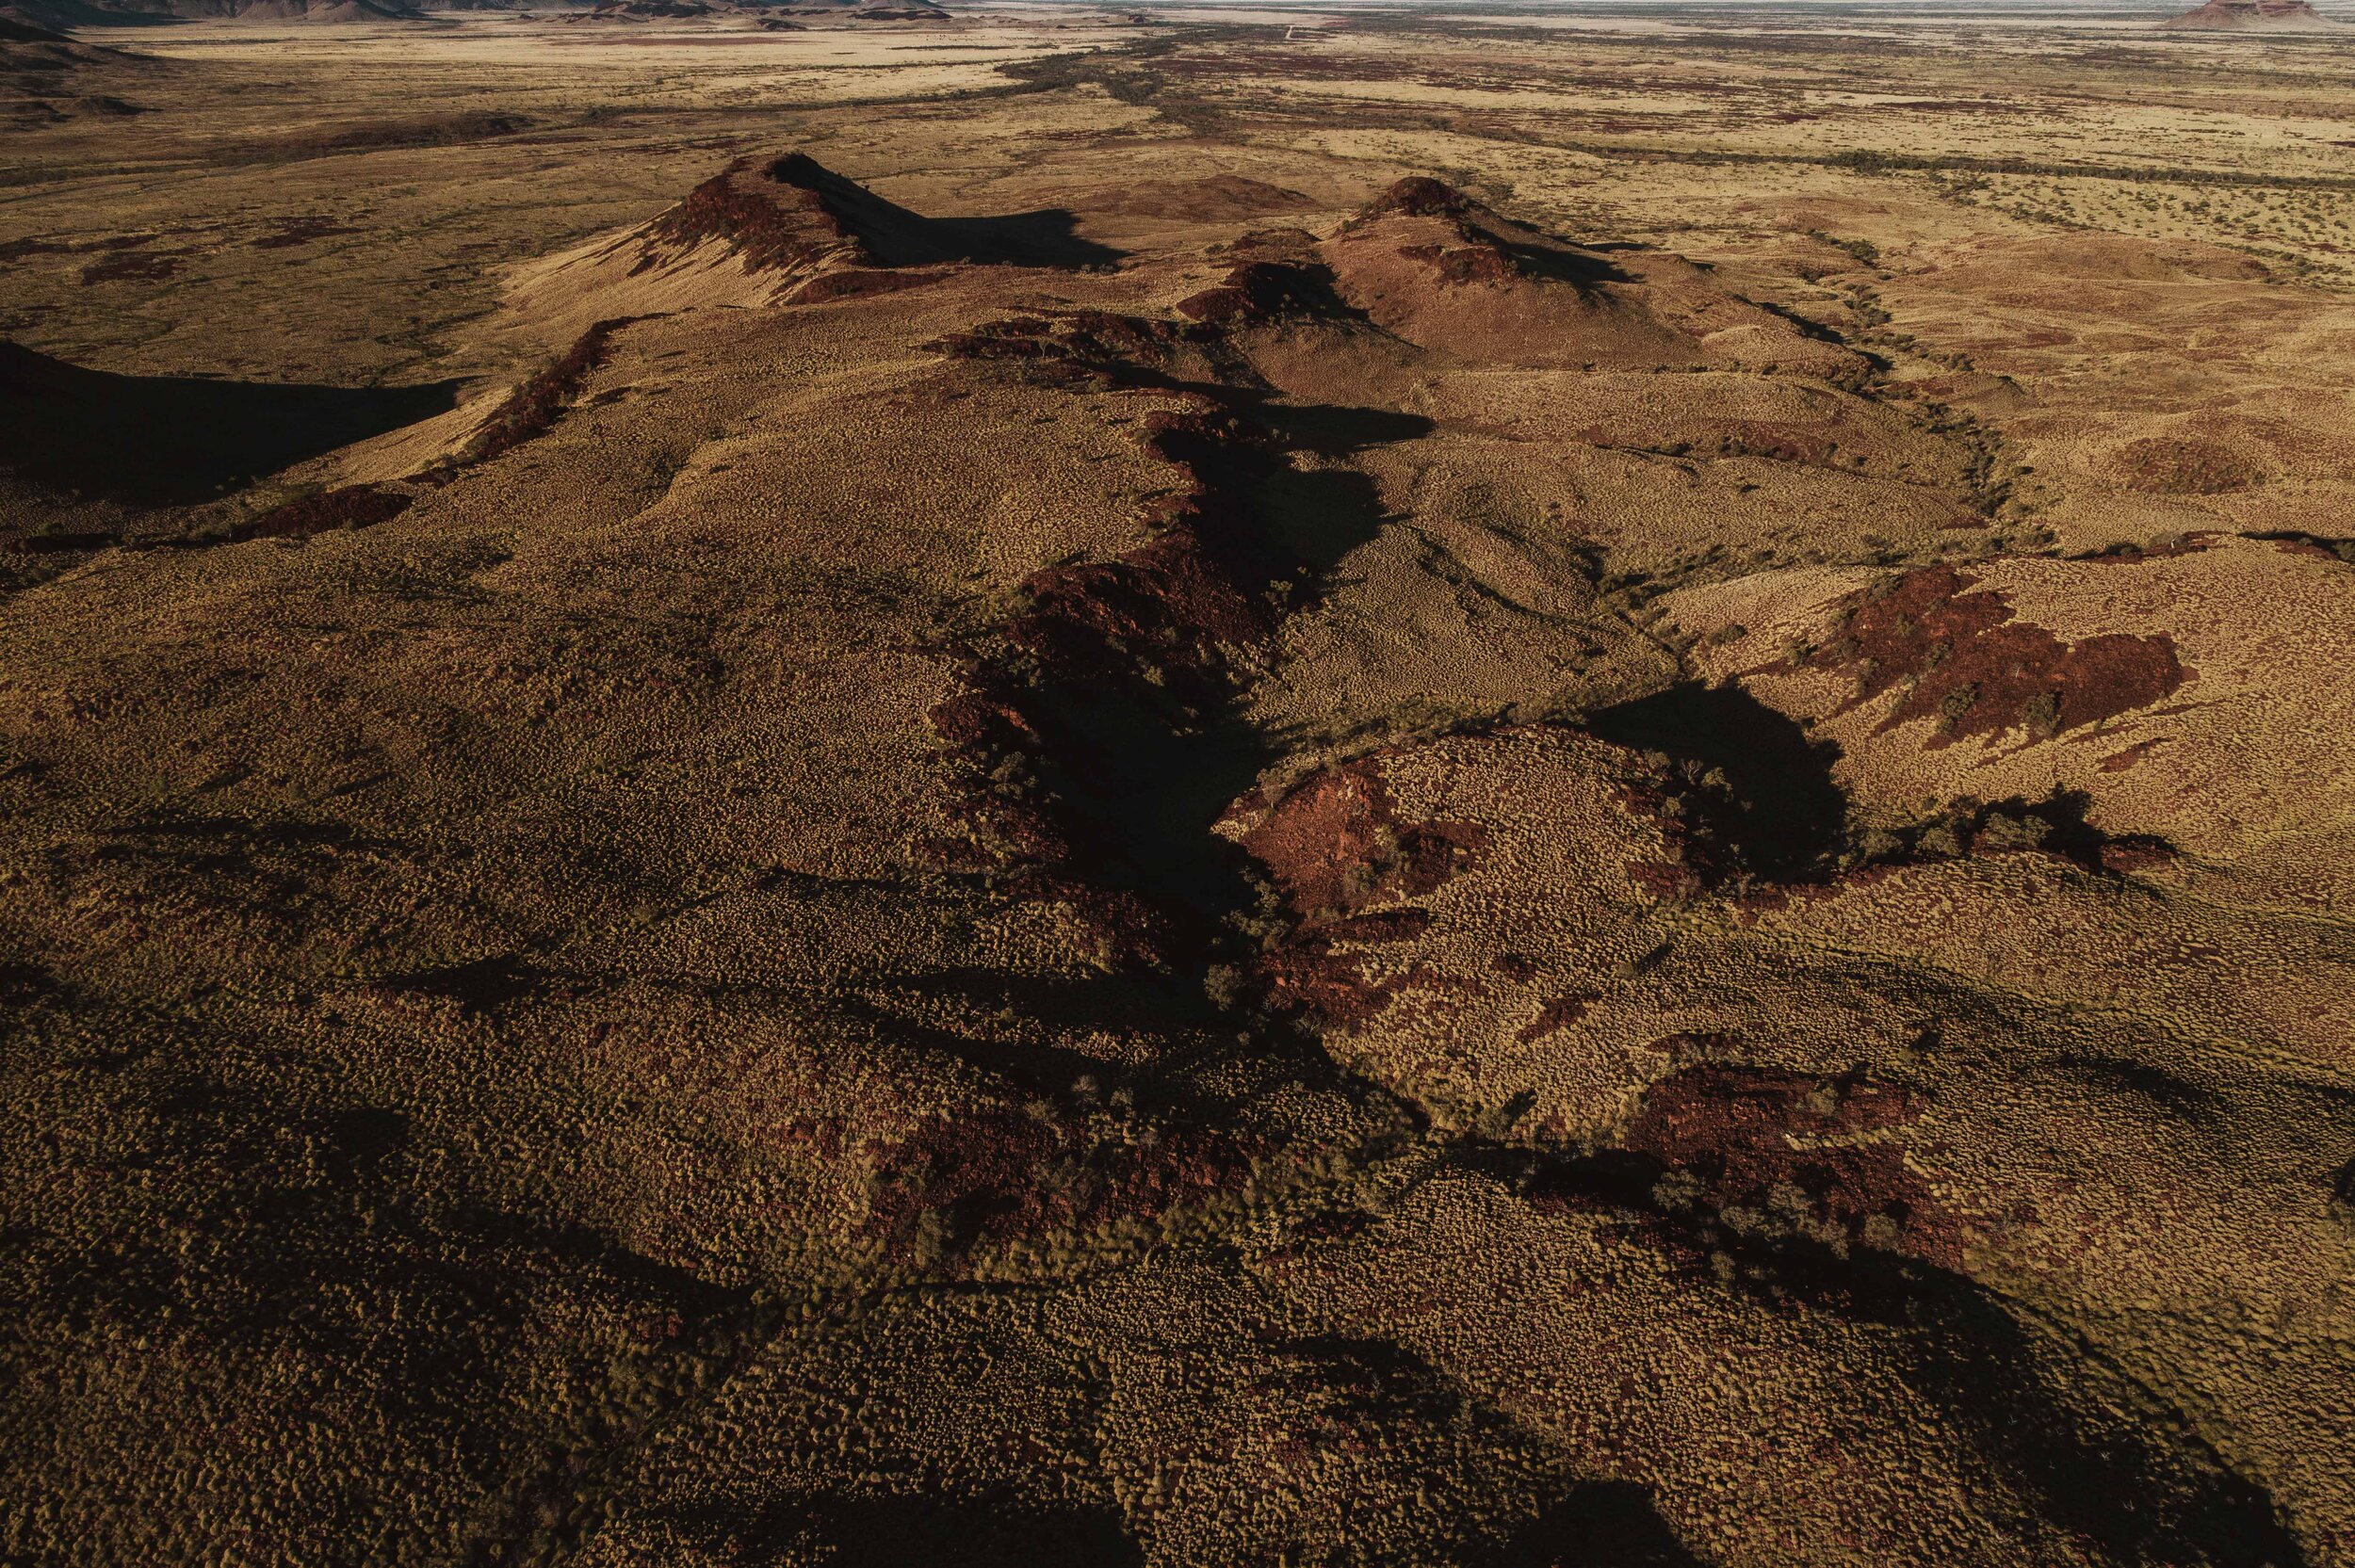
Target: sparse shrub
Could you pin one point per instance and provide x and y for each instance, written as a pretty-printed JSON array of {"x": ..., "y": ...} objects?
[
  {"x": 2013, "y": 831},
  {"x": 351, "y": 506},
  {"x": 1678, "y": 1190},
  {"x": 534, "y": 407},
  {"x": 1940, "y": 841},
  {"x": 1955, "y": 704}
]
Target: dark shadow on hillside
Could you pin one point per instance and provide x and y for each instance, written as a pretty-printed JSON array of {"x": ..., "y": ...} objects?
[
  {"x": 1601, "y": 1523},
  {"x": 1386, "y": 1386},
  {"x": 1580, "y": 269},
  {"x": 478, "y": 988},
  {"x": 1778, "y": 810},
  {"x": 1813, "y": 331},
  {"x": 1337, "y": 430},
  {"x": 1151, "y": 771},
  {"x": 893, "y": 1530},
  {"x": 2097, "y": 1454},
  {"x": 899, "y": 237},
  {"x": 1048, "y": 237},
  {"x": 177, "y": 440}
]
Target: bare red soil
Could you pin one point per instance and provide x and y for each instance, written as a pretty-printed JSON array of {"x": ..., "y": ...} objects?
[
  {"x": 1311, "y": 973},
  {"x": 1029, "y": 1171},
  {"x": 1958, "y": 656},
  {"x": 1337, "y": 844},
  {"x": 1767, "y": 1139}
]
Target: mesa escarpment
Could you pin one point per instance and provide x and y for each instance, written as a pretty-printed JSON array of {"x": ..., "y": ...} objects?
[
  {"x": 1361, "y": 885},
  {"x": 2253, "y": 16},
  {"x": 784, "y": 229}
]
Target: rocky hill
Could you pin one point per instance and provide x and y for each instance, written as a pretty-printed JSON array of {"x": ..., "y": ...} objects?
[{"x": 1356, "y": 883}]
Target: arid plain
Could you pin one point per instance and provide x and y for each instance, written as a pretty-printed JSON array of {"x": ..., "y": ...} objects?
[{"x": 1196, "y": 787}]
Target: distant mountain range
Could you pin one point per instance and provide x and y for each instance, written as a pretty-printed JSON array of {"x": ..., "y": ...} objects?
[
  {"x": 52, "y": 15},
  {"x": 2255, "y": 16},
  {"x": 116, "y": 13}
]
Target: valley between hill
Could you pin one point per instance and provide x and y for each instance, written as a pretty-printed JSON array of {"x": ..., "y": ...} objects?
[{"x": 1055, "y": 789}]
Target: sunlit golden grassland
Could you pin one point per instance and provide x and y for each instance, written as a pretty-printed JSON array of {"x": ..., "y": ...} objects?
[{"x": 1372, "y": 789}]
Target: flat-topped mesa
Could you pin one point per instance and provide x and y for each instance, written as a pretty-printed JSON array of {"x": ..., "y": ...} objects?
[
  {"x": 1420, "y": 196},
  {"x": 2255, "y": 16},
  {"x": 783, "y": 230},
  {"x": 643, "y": 10},
  {"x": 1434, "y": 265},
  {"x": 787, "y": 213},
  {"x": 866, "y": 11}
]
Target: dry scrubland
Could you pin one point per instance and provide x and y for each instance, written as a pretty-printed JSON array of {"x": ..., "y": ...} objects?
[{"x": 1054, "y": 791}]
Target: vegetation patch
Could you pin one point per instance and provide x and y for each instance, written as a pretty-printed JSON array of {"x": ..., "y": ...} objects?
[
  {"x": 1029, "y": 1171},
  {"x": 534, "y": 407},
  {"x": 348, "y": 507},
  {"x": 425, "y": 130},
  {"x": 134, "y": 266},
  {"x": 1767, "y": 1148},
  {"x": 2178, "y": 465}
]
